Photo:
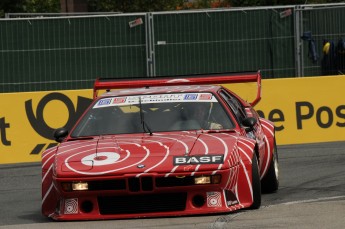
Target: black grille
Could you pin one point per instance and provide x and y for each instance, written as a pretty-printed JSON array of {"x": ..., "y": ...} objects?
[
  {"x": 134, "y": 184},
  {"x": 144, "y": 183},
  {"x": 108, "y": 185},
  {"x": 174, "y": 181},
  {"x": 131, "y": 204},
  {"x": 147, "y": 183}
]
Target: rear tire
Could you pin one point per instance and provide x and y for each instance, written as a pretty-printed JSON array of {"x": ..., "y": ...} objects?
[
  {"x": 256, "y": 184},
  {"x": 270, "y": 182}
]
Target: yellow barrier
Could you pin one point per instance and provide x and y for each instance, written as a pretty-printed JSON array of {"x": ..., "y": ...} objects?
[
  {"x": 27, "y": 121},
  {"x": 304, "y": 110}
]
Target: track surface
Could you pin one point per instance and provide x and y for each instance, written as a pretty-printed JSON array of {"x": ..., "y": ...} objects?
[{"x": 311, "y": 195}]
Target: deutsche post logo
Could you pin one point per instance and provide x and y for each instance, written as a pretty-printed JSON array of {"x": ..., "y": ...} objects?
[{"x": 40, "y": 125}]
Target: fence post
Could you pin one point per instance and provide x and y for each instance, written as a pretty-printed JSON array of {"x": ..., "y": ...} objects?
[
  {"x": 150, "y": 46},
  {"x": 298, "y": 28}
]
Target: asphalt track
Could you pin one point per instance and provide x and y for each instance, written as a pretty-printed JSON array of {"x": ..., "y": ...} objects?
[{"x": 311, "y": 195}]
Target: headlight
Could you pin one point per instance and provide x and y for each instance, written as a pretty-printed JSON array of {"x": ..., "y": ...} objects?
[
  {"x": 80, "y": 186},
  {"x": 75, "y": 186},
  {"x": 202, "y": 180},
  {"x": 214, "y": 179}
]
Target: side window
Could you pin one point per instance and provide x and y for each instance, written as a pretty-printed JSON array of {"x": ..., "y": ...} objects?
[{"x": 235, "y": 106}]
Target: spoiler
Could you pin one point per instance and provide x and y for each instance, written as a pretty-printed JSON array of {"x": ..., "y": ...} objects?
[{"x": 111, "y": 83}]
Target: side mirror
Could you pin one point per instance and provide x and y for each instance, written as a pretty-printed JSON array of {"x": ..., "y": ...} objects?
[
  {"x": 249, "y": 123},
  {"x": 60, "y": 134}
]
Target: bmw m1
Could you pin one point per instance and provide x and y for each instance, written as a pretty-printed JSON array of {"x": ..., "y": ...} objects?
[{"x": 158, "y": 147}]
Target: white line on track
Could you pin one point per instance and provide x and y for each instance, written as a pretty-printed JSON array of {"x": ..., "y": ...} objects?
[{"x": 312, "y": 200}]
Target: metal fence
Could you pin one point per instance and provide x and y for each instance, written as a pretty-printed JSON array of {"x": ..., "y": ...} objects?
[
  {"x": 69, "y": 53},
  {"x": 232, "y": 40},
  {"x": 59, "y": 53},
  {"x": 319, "y": 24}
]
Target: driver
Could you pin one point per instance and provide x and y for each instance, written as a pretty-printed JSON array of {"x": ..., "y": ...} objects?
[{"x": 201, "y": 112}]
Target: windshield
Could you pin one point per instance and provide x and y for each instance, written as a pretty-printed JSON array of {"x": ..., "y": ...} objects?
[{"x": 153, "y": 113}]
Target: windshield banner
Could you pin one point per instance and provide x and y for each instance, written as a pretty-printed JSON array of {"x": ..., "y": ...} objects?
[{"x": 157, "y": 98}]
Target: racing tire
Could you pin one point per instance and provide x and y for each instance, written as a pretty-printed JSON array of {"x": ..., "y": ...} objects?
[
  {"x": 270, "y": 181},
  {"x": 256, "y": 184}
]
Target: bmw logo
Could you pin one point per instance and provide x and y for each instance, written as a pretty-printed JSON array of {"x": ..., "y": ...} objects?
[{"x": 140, "y": 166}]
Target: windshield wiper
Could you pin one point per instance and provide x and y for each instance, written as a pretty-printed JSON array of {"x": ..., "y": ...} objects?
[
  {"x": 219, "y": 131},
  {"x": 146, "y": 128},
  {"x": 80, "y": 138}
]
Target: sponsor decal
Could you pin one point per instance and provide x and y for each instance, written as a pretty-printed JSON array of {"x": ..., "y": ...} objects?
[
  {"x": 71, "y": 206},
  {"x": 104, "y": 102},
  {"x": 199, "y": 159},
  {"x": 229, "y": 203},
  {"x": 214, "y": 199},
  {"x": 27, "y": 128},
  {"x": 231, "y": 198},
  {"x": 190, "y": 96},
  {"x": 205, "y": 96},
  {"x": 119, "y": 100},
  {"x": 3, "y": 127},
  {"x": 38, "y": 119},
  {"x": 156, "y": 98}
]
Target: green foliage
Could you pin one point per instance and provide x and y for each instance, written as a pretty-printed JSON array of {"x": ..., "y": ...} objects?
[
  {"x": 278, "y": 2},
  {"x": 41, "y": 6},
  {"x": 53, "y": 6},
  {"x": 132, "y": 5},
  {"x": 29, "y": 6},
  {"x": 10, "y": 6},
  {"x": 164, "y": 5}
]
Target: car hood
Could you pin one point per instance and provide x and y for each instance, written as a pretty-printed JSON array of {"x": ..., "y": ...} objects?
[{"x": 141, "y": 153}]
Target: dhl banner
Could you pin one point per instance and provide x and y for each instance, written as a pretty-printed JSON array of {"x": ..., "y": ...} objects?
[{"x": 304, "y": 110}]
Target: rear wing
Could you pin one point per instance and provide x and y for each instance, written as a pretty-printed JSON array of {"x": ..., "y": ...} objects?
[{"x": 110, "y": 83}]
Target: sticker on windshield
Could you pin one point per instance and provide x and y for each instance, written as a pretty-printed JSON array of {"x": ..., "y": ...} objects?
[
  {"x": 104, "y": 102},
  {"x": 191, "y": 96},
  {"x": 205, "y": 96},
  {"x": 156, "y": 98},
  {"x": 118, "y": 100}
]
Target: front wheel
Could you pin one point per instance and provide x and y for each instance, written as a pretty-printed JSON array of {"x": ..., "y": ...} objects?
[
  {"x": 256, "y": 184},
  {"x": 270, "y": 182}
]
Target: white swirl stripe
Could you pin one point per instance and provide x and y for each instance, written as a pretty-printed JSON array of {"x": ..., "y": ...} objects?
[
  {"x": 226, "y": 151},
  {"x": 47, "y": 193},
  {"x": 166, "y": 155},
  {"x": 103, "y": 171},
  {"x": 268, "y": 157},
  {"x": 48, "y": 171},
  {"x": 248, "y": 179}
]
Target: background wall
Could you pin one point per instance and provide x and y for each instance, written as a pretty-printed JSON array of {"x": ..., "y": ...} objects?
[{"x": 64, "y": 53}]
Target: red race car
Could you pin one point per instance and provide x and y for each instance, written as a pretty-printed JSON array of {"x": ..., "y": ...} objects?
[{"x": 161, "y": 147}]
